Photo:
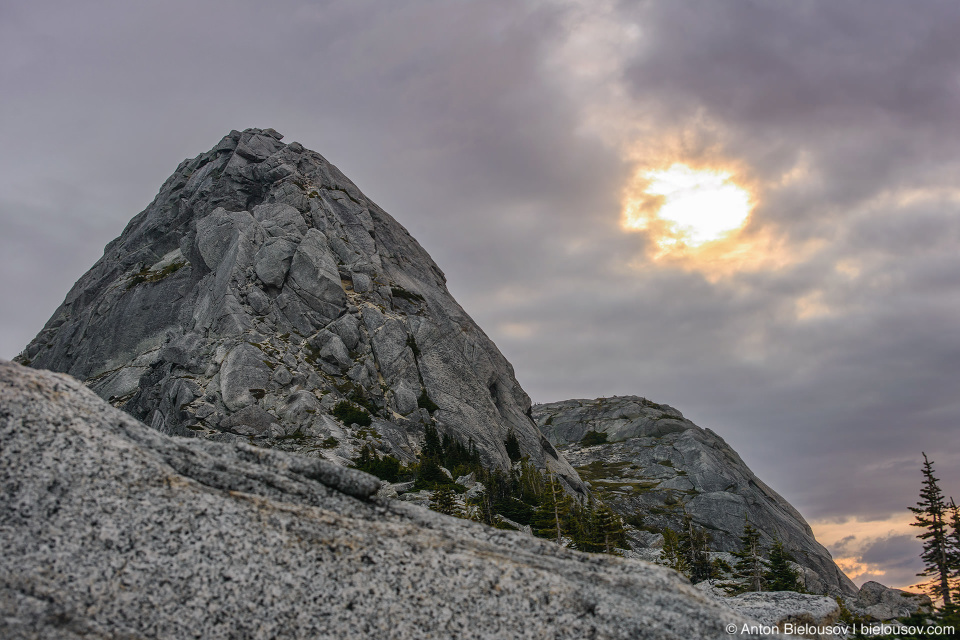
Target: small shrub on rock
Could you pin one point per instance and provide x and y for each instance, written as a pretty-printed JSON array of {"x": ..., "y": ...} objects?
[
  {"x": 591, "y": 438},
  {"x": 349, "y": 413}
]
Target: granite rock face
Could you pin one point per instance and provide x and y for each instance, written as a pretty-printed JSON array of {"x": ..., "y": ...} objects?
[
  {"x": 660, "y": 465},
  {"x": 111, "y": 529},
  {"x": 262, "y": 281}
]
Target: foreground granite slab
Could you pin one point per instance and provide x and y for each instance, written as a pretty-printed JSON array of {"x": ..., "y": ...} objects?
[{"x": 110, "y": 529}]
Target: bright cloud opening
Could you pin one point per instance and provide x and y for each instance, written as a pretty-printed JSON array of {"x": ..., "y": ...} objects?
[{"x": 688, "y": 207}]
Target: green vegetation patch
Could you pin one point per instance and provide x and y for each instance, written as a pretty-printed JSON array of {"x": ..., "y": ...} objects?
[
  {"x": 591, "y": 438},
  {"x": 400, "y": 292},
  {"x": 386, "y": 467},
  {"x": 424, "y": 402},
  {"x": 147, "y": 275},
  {"x": 349, "y": 413},
  {"x": 599, "y": 469}
]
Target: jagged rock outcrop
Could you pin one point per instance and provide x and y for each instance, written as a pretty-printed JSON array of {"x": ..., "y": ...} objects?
[
  {"x": 258, "y": 291},
  {"x": 658, "y": 465},
  {"x": 110, "y": 529}
]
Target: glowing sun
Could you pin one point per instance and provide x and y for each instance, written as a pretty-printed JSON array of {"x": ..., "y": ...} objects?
[{"x": 687, "y": 207}]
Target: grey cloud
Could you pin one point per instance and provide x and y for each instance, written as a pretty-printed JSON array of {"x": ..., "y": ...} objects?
[
  {"x": 898, "y": 555},
  {"x": 895, "y": 551}
]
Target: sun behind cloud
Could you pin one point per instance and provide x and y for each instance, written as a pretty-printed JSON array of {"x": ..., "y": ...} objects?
[
  {"x": 685, "y": 207},
  {"x": 699, "y": 219}
]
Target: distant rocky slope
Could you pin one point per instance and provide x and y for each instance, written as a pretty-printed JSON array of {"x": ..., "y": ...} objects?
[
  {"x": 110, "y": 529},
  {"x": 262, "y": 296},
  {"x": 658, "y": 465}
]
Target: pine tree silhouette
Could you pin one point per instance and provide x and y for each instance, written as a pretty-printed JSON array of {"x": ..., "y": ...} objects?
[{"x": 938, "y": 555}]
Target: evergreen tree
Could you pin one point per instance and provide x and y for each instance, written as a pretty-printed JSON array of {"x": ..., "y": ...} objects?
[
  {"x": 750, "y": 569},
  {"x": 444, "y": 500},
  {"x": 430, "y": 475},
  {"x": 780, "y": 576},
  {"x": 550, "y": 516},
  {"x": 594, "y": 527},
  {"x": 953, "y": 541},
  {"x": 584, "y": 530},
  {"x": 386, "y": 468},
  {"x": 931, "y": 515},
  {"x": 609, "y": 530},
  {"x": 671, "y": 555},
  {"x": 432, "y": 446},
  {"x": 530, "y": 483},
  {"x": 694, "y": 544},
  {"x": 512, "y": 445}
]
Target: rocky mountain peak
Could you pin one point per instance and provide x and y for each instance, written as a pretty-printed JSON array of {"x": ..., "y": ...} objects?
[
  {"x": 654, "y": 467},
  {"x": 261, "y": 296}
]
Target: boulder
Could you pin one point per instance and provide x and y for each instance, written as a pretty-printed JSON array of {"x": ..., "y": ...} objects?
[
  {"x": 314, "y": 276},
  {"x": 249, "y": 421},
  {"x": 273, "y": 259},
  {"x": 242, "y": 375},
  {"x": 878, "y": 603}
]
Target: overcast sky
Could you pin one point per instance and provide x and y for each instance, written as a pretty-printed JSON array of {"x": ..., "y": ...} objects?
[{"x": 821, "y": 339}]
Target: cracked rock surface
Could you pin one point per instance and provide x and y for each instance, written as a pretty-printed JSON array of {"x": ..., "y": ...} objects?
[{"x": 111, "y": 529}]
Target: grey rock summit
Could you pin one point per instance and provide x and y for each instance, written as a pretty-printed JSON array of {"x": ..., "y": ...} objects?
[
  {"x": 110, "y": 529},
  {"x": 659, "y": 465},
  {"x": 260, "y": 290}
]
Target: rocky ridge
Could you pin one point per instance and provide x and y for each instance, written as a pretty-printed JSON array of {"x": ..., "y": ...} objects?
[
  {"x": 658, "y": 465},
  {"x": 262, "y": 297},
  {"x": 111, "y": 529}
]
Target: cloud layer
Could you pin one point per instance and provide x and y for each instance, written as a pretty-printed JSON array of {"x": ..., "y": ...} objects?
[{"x": 821, "y": 342}]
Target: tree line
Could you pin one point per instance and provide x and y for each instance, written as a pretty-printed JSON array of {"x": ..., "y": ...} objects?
[
  {"x": 523, "y": 495},
  {"x": 756, "y": 568}
]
